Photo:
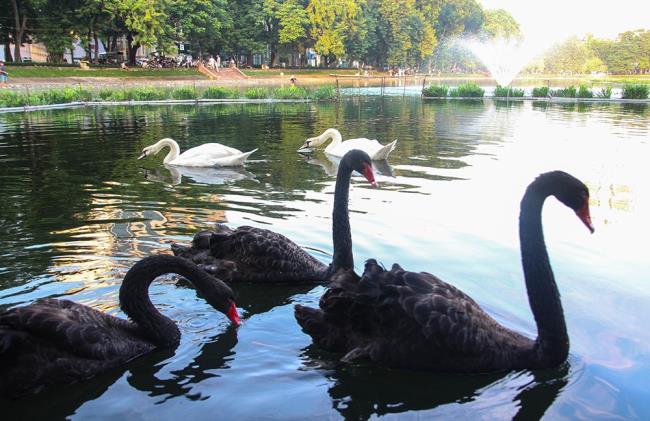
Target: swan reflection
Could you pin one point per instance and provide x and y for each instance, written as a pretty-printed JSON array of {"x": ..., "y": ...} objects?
[
  {"x": 364, "y": 392},
  {"x": 330, "y": 164},
  {"x": 202, "y": 175}
]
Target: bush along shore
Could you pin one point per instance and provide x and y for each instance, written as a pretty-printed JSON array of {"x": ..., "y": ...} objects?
[
  {"x": 69, "y": 95},
  {"x": 471, "y": 90}
]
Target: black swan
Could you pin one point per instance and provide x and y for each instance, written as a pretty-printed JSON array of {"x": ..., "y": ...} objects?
[
  {"x": 59, "y": 341},
  {"x": 414, "y": 320},
  {"x": 249, "y": 254}
]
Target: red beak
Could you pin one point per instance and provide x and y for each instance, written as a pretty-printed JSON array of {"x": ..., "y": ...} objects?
[
  {"x": 369, "y": 174},
  {"x": 585, "y": 217},
  {"x": 233, "y": 315}
]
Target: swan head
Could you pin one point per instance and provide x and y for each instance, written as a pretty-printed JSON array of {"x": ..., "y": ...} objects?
[
  {"x": 571, "y": 192},
  {"x": 361, "y": 163},
  {"x": 149, "y": 150},
  {"x": 314, "y": 142},
  {"x": 220, "y": 296}
]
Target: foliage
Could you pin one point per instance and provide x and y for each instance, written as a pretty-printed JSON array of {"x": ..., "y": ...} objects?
[
  {"x": 568, "y": 92},
  {"x": 508, "y": 92},
  {"x": 584, "y": 92},
  {"x": 256, "y": 93},
  {"x": 435, "y": 91},
  {"x": 499, "y": 23},
  {"x": 219, "y": 92},
  {"x": 291, "y": 92},
  {"x": 540, "y": 92},
  {"x": 635, "y": 91},
  {"x": 184, "y": 92},
  {"x": 13, "y": 99},
  {"x": 605, "y": 92},
  {"x": 75, "y": 71},
  {"x": 324, "y": 92},
  {"x": 467, "y": 90}
]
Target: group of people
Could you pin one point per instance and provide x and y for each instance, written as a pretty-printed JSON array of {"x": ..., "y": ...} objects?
[{"x": 213, "y": 63}]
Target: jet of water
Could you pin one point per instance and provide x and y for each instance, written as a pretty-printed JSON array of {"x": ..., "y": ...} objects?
[{"x": 504, "y": 58}]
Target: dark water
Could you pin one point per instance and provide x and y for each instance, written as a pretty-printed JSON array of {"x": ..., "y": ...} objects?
[{"x": 77, "y": 210}]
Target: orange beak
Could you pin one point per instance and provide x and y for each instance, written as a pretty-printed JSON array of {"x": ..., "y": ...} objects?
[{"x": 585, "y": 217}]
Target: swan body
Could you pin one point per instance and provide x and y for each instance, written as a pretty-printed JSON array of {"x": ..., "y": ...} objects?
[
  {"x": 206, "y": 155},
  {"x": 338, "y": 147},
  {"x": 54, "y": 341},
  {"x": 249, "y": 254},
  {"x": 408, "y": 319}
]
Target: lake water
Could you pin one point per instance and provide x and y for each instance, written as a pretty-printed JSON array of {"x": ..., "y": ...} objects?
[{"x": 77, "y": 210}]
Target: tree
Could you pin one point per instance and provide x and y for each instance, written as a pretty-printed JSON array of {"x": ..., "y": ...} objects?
[
  {"x": 331, "y": 22},
  {"x": 143, "y": 22},
  {"x": 199, "y": 23},
  {"x": 498, "y": 23}
]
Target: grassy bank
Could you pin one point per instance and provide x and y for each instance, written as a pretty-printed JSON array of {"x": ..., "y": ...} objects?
[
  {"x": 62, "y": 72},
  {"x": 148, "y": 93}
]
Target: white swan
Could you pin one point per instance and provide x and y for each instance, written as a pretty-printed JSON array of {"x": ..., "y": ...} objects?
[
  {"x": 206, "y": 155},
  {"x": 338, "y": 147}
]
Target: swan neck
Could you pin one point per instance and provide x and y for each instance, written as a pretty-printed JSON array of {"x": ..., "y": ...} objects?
[
  {"x": 552, "y": 343},
  {"x": 333, "y": 134},
  {"x": 174, "y": 149},
  {"x": 341, "y": 236},
  {"x": 135, "y": 301}
]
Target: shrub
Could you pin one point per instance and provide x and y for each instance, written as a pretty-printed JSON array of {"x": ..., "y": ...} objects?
[
  {"x": 219, "y": 92},
  {"x": 184, "y": 92},
  {"x": 468, "y": 90},
  {"x": 507, "y": 91},
  {"x": 146, "y": 93},
  {"x": 256, "y": 93},
  {"x": 584, "y": 92},
  {"x": 568, "y": 92},
  {"x": 436, "y": 91},
  {"x": 605, "y": 92},
  {"x": 13, "y": 99},
  {"x": 105, "y": 94},
  {"x": 633, "y": 91},
  {"x": 324, "y": 92},
  {"x": 540, "y": 92},
  {"x": 291, "y": 92}
]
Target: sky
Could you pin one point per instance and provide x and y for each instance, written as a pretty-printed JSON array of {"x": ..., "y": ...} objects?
[{"x": 556, "y": 20}]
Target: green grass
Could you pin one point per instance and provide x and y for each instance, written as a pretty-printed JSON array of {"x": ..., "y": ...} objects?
[
  {"x": 184, "y": 92},
  {"x": 605, "y": 92},
  {"x": 635, "y": 91},
  {"x": 297, "y": 72},
  {"x": 568, "y": 92},
  {"x": 436, "y": 91},
  {"x": 467, "y": 90},
  {"x": 508, "y": 92},
  {"x": 219, "y": 92},
  {"x": 57, "y": 72},
  {"x": 324, "y": 92},
  {"x": 257, "y": 93},
  {"x": 540, "y": 92},
  {"x": 584, "y": 92}
]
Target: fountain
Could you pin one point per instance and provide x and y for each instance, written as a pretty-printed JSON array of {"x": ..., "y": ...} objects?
[{"x": 504, "y": 58}]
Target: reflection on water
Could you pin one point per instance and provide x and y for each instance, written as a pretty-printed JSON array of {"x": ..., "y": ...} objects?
[{"x": 78, "y": 210}]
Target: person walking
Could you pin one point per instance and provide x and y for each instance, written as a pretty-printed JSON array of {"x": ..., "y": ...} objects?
[{"x": 3, "y": 73}]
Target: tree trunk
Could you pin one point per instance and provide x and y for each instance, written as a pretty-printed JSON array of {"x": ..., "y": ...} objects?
[
  {"x": 8, "y": 56},
  {"x": 133, "y": 49},
  {"x": 19, "y": 30},
  {"x": 96, "y": 47}
]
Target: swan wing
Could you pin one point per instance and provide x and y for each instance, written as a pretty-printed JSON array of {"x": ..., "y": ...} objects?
[
  {"x": 369, "y": 146},
  {"x": 77, "y": 329},
  {"x": 250, "y": 254},
  {"x": 211, "y": 155}
]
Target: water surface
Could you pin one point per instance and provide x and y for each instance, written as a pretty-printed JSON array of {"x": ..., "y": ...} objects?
[{"x": 77, "y": 210}]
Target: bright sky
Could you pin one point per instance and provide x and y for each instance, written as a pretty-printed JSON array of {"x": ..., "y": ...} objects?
[{"x": 556, "y": 20}]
